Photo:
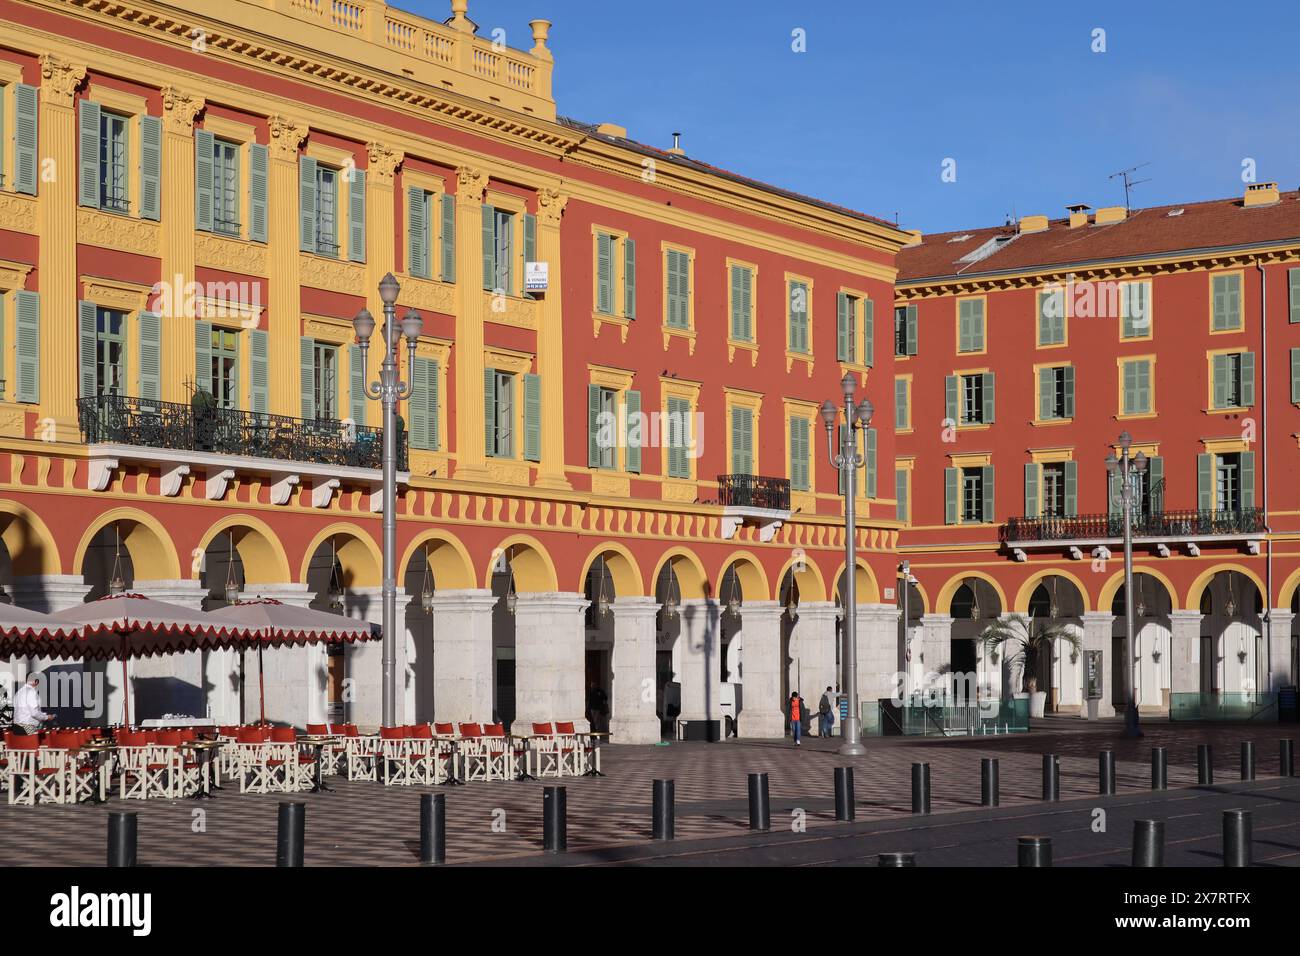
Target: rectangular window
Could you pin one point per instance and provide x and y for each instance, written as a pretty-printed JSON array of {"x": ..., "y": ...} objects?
[
  {"x": 970, "y": 325},
  {"x": 742, "y": 303},
  {"x": 501, "y": 414},
  {"x": 972, "y": 406},
  {"x": 225, "y": 367},
  {"x": 606, "y": 402},
  {"x": 679, "y": 438},
  {"x": 1225, "y": 294},
  {"x": 114, "y": 154},
  {"x": 324, "y": 381},
  {"x": 1053, "y": 490},
  {"x": 797, "y": 317},
  {"x": 1136, "y": 387},
  {"x": 800, "y": 446},
  {"x": 677, "y": 268},
  {"x": 1056, "y": 393},
  {"x": 905, "y": 330},
  {"x": 972, "y": 495},
  {"x": 503, "y": 237},
  {"x": 846, "y": 327},
  {"x": 327, "y": 203},
  {"x": 1135, "y": 310},
  {"x": 1233, "y": 384},
  {"x": 225, "y": 188},
  {"x": 110, "y": 352},
  {"x": 901, "y": 511},
  {"x": 615, "y": 275},
  {"x": 1051, "y": 317},
  {"x": 902, "y": 403},
  {"x": 742, "y": 441},
  {"x": 1227, "y": 482}
]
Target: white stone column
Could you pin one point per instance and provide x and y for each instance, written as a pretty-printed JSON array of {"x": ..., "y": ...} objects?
[
  {"x": 550, "y": 658},
  {"x": 633, "y": 719},
  {"x": 697, "y": 660},
  {"x": 1280, "y": 655},
  {"x": 812, "y": 650},
  {"x": 936, "y": 649},
  {"x": 760, "y": 671},
  {"x": 364, "y": 670},
  {"x": 1097, "y": 626},
  {"x": 1185, "y": 652},
  {"x": 462, "y": 655},
  {"x": 293, "y": 675},
  {"x": 170, "y": 683},
  {"x": 877, "y": 652}
]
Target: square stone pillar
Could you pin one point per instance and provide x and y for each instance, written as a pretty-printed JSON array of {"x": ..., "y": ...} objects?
[
  {"x": 462, "y": 655},
  {"x": 364, "y": 669},
  {"x": 812, "y": 652},
  {"x": 1279, "y": 619},
  {"x": 550, "y": 658},
  {"x": 294, "y": 676},
  {"x": 936, "y": 650},
  {"x": 760, "y": 670},
  {"x": 877, "y": 652},
  {"x": 1097, "y": 627},
  {"x": 1185, "y": 652},
  {"x": 633, "y": 719},
  {"x": 168, "y": 683},
  {"x": 697, "y": 659}
]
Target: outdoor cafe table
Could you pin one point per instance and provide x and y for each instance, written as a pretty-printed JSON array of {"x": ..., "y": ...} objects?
[
  {"x": 99, "y": 750},
  {"x": 205, "y": 751},
  {"x": 318, "y": 742}
]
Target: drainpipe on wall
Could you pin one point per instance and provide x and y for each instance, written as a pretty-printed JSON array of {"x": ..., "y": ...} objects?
[{"x": 1263, "y": 442}]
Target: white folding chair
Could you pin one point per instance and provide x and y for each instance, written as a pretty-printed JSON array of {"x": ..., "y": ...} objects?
[{"x": 36, "y": 774}]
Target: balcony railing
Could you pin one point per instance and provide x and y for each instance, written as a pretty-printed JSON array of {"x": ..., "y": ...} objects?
[
  {"x": 145, "y": 423},
  {"x": 754, "y": 491},
  {"x": 1156, "y": 524}
]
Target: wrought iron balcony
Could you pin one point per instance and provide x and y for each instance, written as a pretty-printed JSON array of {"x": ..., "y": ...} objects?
[
  {"x": 1157, "y": 525},
  {"x": 141, "y": 422},
  {"x": 754, "y": 491}
]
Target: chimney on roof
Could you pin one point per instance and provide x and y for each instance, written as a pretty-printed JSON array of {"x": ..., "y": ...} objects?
[
  {"x": 676, "y": 148},
  {"x": 1108, "y": 214},
  {"x": 612, "y": 129},
  {"x": 1261, "y": 194},
  {"x": 1033, "y": 224},
  {"x": 913, "y": 237},
  {"x": 1078, "y": 214}
]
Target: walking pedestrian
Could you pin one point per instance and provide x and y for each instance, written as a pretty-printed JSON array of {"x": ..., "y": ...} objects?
[
  {"x": 826, "y": 713},
  {"x": 796, "y": 716}
]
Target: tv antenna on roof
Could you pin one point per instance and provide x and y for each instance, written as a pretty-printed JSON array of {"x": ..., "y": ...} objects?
[{"x": 1129, "y": 183}]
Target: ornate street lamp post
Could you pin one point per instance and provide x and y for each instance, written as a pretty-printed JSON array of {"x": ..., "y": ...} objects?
[
  {"x": 847, "y": 461},
  {"x": 1126, "y": 467},
  {"x": 389, "y": 390}
]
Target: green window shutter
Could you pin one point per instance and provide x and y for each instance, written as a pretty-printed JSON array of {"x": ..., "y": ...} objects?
[
  {"x": 204, "y": 145},
  {"x": 489, "y": 247},
  {"x": 629, "y": 278},
  {"x": 798, "y": 454},
  {"x": 844, "y": 327},
  {"x": 1233, "y": 301},
  {"x": 977, "y": 325},
  {"x": 259, "y": 371},
  {"x": 432, "y": 400},
  {"x": 635, "y": 428},
  {"x": 306, "y": 204},
  {"x": 3, "y": 139},
  {"x": 901, "y": 417},
  {"x": 1046, "y": 302},
  {"x": 604, "y": 274},
  {"x": 88, "y": 154},
  {"x": 988, "y": 398},
  {"x": 871, "y": 462},
  {"x": 1031, "y": 489},
  {"x": 306, "y": 372},
  {"x": 1247, "y": 460},
  {"x": 417, "y": 234},
  {"x": 1227, "y": 301},
  {"x": 679, "y": 410},
  {"x": 530, "y": 237},
  {"x": 951, "y": 498},
  {"x": 86, "y": 347},
  {"x": 737, "y": 304},
  {"x": 1293, "y": 286},
  {"x": 1068, "y": 372},
  {"x": 25, "y": 138},
  {"x": 901, "y": 512},
  {"x": 1247, "y": 379},
  {"x": 257, "y": 182},
  {"x": 150, "y": 356},
  {"x": 911, "y": 331},
  {"x": 1046, "y": 394},
  {"x": 356, "y": 386},
  {"x": 532, "y": 417},
  {"x": 1071, "y": 487},
  {"x": 1295, "y": 375},
  {"x": 593, "y": 426},
  {"x": 357, "y": 215},
  {"x": 965, "y": 326},
  {"x": 1144, "y": 385},
  {"x": 1220, "y": 373},
  {"x": 798, "y": 292},
  {"x": 1129, "y": 390},
  {"x": 447, "y": 238},
  {"x": 150, "y": 167},
  {"x": 490, "y": 410},
  {"x": 419, "y": 411},
  {"x": 1128, "y": 328},
  {"x": 987, "y": 513},
  {"x": 1156, "y": 467},
  {"x": 203, "y": 357},
  {"x": 1205, "y": 482},
  {"x": 27, "y": 346},
  {"x": 951, "y": 384},
  {"x": 670, "y": 290},
  {"x": 869, "y": 332},
  {"x": 1112, "y": 495},
  {"x": 741, "y": 441}
]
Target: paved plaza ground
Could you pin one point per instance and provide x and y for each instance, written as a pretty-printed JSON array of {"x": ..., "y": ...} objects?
[{"x": 365, "y": 823}]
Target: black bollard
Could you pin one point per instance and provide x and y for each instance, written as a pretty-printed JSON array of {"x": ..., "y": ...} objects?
[
  {"x": 896, "y": 859},
  {"x": 844, "y": 809},
  {"x": 1106, "y": 772},
  {"x": 760, "y": 816},
  {"x": 122, "y": 830},
  {"x": 1247, "y": 760},
  {"x": 290, "y": 833},
  {"x": 1159, "y": 768},
  {"x": 1148, "y": 843},
  {"x": 920, "y": 788},
  {"x": 1204, "y": 764},
  {"x": 989, "y": 782},
  {"x": 1236, "y": 838},
  {"x": 433, "y": 828},
  {"x": 663, "y": 812},
  {"x": 555, "y": 823},
  {"x": 1286, "y": 757},
  {"x": 1034, "y": 851},
  {"x": 1051, "y": 777}
]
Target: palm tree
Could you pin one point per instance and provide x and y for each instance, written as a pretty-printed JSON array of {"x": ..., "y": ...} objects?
[{"x": 1028, "y": 639}]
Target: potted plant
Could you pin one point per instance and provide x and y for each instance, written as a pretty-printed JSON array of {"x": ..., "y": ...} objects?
[
  {"x": 203, "y": 409},
  {"x": 1027, "y": 641}
]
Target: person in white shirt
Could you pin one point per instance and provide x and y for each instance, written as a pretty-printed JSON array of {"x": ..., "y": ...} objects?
[{"x": 28, "y": 715}]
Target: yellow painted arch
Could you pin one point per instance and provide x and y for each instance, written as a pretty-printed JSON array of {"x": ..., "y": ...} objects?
[
  {"x": 1107, "y": 596},
  {"x": 31, "y": 547},
  {"x": 1203, "y": 580},
  {"x": 1027, "y": 589},
  {"x": 357, "y": 553},
  {"x": 867, "y": 591},
  {"x": 691, "y": 578},
  {"x": 920, "y": 589},
  {"x": 533, "y": 569},
  {"x": 624, "y": 572},
  {"x": 153, "y": 555},
  {"x": 943, "y": 603},
  {"x": 812, "y": 586},
  {"x": 449, "y": 560},
  {"x": 1288, "y": 587},
  {"x": 264, "y": 557},
  {"x": 750, "y": 574}
]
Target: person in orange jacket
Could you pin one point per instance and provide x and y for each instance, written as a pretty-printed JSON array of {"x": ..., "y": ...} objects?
[{"x": 796, "y": 716}]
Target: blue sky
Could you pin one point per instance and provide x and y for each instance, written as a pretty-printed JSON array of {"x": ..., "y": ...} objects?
[{"x": 886, "y": 91}]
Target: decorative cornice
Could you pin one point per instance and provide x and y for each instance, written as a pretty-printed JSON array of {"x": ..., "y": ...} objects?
[
  {"x": 179, "y": 110},
  {"x": 123, "y": 233},
  {"x": 286, "y": 136},
  {"x": 335, "y": 275},
  {"x": 231, "y": 255},
  {"x": 383, "y": 163},
  {"x": 550, "y": 206},
  {"x": 471, "y": 183},
  {"x": 59, "y": 80},
  {"x": 428, "y": 295}
]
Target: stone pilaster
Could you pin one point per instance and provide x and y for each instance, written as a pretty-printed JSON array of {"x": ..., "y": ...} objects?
[
  {"x": 364, "y": 668},
  {"x": 179, "y": 110},
  {"x": 550, "y": 341},
  {"x": 284, "y": 298},
  {"x": 1280, "y": 620},
  {"x": 877, "y": 651},
  {"x": 1184, "y": 652},
  {"x": 633, "y": 719},
  {"x": 761, "y": 715},
  {"x": 56, "y": 207},
  {"x": 550, "y": 658},
  {"x": 295, "y": 689},
  {"x": 462, "y": 655},
  {"x": 698, "y": 659},
  {"x": 471, "y": 459},
  {"x": 812, "y": 652},
  {"x": 1097, "y": 627},
  {"x": 380, "y": 258},
  {"x": 935, "y": 650},
  {"x": 169, "y": 683}
]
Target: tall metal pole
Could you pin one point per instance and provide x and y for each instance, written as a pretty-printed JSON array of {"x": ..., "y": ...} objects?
[{"x": 1124, "y": 466}]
